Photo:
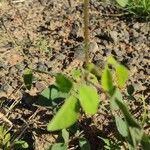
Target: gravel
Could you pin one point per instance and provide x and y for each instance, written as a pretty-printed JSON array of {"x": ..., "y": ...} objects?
[
  {"x": 61, "y": 25},
  {"x": 128, "y": 41}
]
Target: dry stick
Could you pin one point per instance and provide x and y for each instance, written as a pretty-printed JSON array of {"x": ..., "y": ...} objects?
[
  {"x": 44, "y": 72},
  {"x": 86, "y": 36},
  {"x": 4, "y": 118},
  {"x": 86, "y": 31},
  {"x": 114, "y": 15},
  {"x": 15, "y": 102},
  {"x": 24, "y": 127},
  {"x": 8, "y": 33},
  {"x": 18, "y": 1}
]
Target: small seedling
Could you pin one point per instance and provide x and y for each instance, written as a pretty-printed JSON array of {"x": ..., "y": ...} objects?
[
  {"x": 7, "y": 144},
  {"x": 80, "y": 96},
  {"x": 42, "y": 44}
]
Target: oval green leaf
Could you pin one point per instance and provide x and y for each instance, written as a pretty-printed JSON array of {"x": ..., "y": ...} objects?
[
  {"x": 116, "y": 95},
  {"x": 122, "y": 3},
  {"x": 89, "y": 99},
  {"x": 28, "y": 77},
  {"x": 76, "y": 74},
  {"x": 130, "y": 120},
  {"x": 51, "y": 96},
  {"x": 145, "y": 142},
  {"x": 121, "y": 126},
  {"x": 66, "y": 116},
  {"x": 21, "y": 144},
  {"x": 58, "y": 146},
  {"x": 130, "y": 89},
  {"x": 65, "y": 135},
  {"x": 111, "y": 60},
  {"x": 122, "y": 74},
  {"x": 84, "y": 144},
  {"x": 64, "y": 84},
  {"x": 106, "y": 80},
  {"x": 7, "y": 138}
]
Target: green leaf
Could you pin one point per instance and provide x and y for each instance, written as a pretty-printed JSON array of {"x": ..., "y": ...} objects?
[
  {"x": 58, "y": 146},
  {"x": 136, "y": 135},
  {"x": 7, "y": 138},
  {"x": 63, "y": 83},
  {"x": 128, "y": 117},
  {"x": 84, "y": 144},
  {"x": 65, "y": 135},
  {"x": 122, "y": 74},
  {"x": 76, "y": 74},
  {"x": 122, "y": 3},
  {"x": 135, "y": 132},
  {"x": 107, "y": 143},
  {"x": 93, "y": 69},
  {"x": 50, "y": 96},
  {"x": 93, "y": 79},
  {"x": 112, "y": 61},
  {"x": 121, "y": 126},
  {"x": 106, "y": 80},
  {"x": 116, "y": 95},
  {"x": 89, "y": 99},
  {"x": 1, "y": 130},
  {"x": 130, "y": 89},
  {"x": 105, "y": 140},
  {"x": 66, "y": 116},
  {"x": 21, "y": 144},
  {"x": 45, "y": 96},
  {"x": 145, "y": 142},
  {"x": 28, "y": 77}
]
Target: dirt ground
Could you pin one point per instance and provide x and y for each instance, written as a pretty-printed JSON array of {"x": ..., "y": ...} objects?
[{"x": 48, "y": 36}]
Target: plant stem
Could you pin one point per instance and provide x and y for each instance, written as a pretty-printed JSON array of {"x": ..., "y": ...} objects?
[
  {"x": 44, "y": 72},
  {"x": 86, "y": 31},
  {"x": 8, "y": 33},
  {"x": 145, "y": 115}
]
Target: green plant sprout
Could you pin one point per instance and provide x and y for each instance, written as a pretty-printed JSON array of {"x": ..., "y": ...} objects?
[
  {"x": 78, "y": 95},
  {"x": 7, "y": 144},
  {"x": 82, "y": 96},
  {"x": 42, "y": 44},
  {"x": 140, "y": 8}
]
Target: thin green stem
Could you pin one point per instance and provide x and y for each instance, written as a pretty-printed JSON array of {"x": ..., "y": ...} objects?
[{"x": 145, "y": 111}]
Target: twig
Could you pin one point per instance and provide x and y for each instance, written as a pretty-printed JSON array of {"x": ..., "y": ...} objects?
[
  {"x": 25, "y": 126},
  {"x": 115, "y": 15},
  {"x": 15, "y": 102},
  {"x": 4, "y": 118},
  {"x": 8, "y": 33},
  {"x": 18, "y": 1},
  {"x": 44, "y": 72},
  {"x": 86, "y": 31}
]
